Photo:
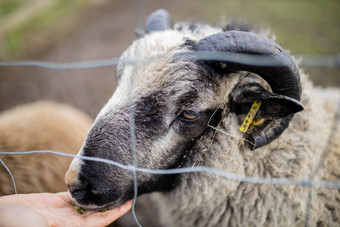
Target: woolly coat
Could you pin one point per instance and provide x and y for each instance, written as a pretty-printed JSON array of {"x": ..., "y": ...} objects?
[
  {"x": 202, "y": 199},
  {"x": 39, "y": 126}
]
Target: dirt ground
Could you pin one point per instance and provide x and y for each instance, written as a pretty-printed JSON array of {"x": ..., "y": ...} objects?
[
  {"x": 104, "y": 31},
  {"x": 97, "y": 36}
]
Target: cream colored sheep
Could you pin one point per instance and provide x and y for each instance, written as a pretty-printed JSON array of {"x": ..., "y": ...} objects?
[
  {"x": 187, "y": 111},
  {"x": 201, "y": 199},
  {"x": 41, "y": 125}
]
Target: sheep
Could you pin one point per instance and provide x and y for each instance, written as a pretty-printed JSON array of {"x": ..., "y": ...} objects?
[
  {"x": 42, "y": 125},
  {"x": 187, "y": 111}
]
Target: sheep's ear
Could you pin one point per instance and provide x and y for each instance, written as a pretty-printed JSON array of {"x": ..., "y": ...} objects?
[{"x": 273, "y": 106}]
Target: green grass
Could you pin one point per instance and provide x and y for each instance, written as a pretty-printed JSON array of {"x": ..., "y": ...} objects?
[
  {"x": 9, "y": 6},
  {"x": 302, "y": 26},
  {"x": 19, "y": 40}
]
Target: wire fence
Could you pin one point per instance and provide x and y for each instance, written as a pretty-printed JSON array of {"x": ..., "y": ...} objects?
[
  {"x": 310, "y": 183},
  {"x": 306, "y": 61}
]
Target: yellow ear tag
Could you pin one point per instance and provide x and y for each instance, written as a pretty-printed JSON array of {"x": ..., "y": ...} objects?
[
  {"x": 256, "y": 122},
  {"x": 250, "y": 117}
]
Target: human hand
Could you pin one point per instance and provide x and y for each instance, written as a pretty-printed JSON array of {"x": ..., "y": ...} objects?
[{"x": 48, "y": 209}]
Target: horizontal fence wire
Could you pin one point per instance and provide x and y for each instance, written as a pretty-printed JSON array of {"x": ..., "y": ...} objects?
[
  {"x": 309, "y": 182},
  {"x": 230, "y": 176},
  {"x": 306, "y": 61}
]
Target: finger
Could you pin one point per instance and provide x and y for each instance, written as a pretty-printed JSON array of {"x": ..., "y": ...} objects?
[
  {"x": 65, "y": 196},
  {"x": 107, "y": 217}
]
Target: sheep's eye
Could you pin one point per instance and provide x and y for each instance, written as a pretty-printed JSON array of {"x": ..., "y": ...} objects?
[{"x": 188, "y": 115}]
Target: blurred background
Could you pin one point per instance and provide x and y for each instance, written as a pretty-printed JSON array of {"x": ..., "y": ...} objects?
[{"x": 67, "y": 31}]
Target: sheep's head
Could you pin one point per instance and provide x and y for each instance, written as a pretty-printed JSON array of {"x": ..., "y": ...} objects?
[{"x": 172, "y": 96}]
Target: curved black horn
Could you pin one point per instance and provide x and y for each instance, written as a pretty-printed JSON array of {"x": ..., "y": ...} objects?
[
  {"x": 158, "y": 21},
  {"x": 239, "y": 49}
]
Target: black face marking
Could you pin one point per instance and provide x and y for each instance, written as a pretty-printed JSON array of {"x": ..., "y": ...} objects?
[
  {"x": 157, "y": 117},
  {"x": 149, "y": 114}
]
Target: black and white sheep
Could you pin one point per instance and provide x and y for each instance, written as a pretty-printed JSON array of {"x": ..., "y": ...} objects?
[
  {"x": 188, "y": 109},
  {"x": 42, "y": 125}
]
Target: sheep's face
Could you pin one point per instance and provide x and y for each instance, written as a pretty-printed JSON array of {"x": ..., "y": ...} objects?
[
  {"x": 171, "y": 101},
  {"x": 165, "y": 103}
]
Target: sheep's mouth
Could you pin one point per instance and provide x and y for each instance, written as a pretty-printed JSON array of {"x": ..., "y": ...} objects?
[{"x": 96, "y": 208}]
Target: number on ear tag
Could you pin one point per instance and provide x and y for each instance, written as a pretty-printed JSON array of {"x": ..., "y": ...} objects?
[{"x": 250, "y": 116}]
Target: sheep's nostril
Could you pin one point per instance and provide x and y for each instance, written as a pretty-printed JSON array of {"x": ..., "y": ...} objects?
[
  {"x": 78, "y": 189},
  {"x": 74, "y": 187},
  {"x": 79, "y": 193}
]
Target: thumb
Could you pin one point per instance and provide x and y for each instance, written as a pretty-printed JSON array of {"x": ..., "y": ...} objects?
[{"x": 99, "y": 219}]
